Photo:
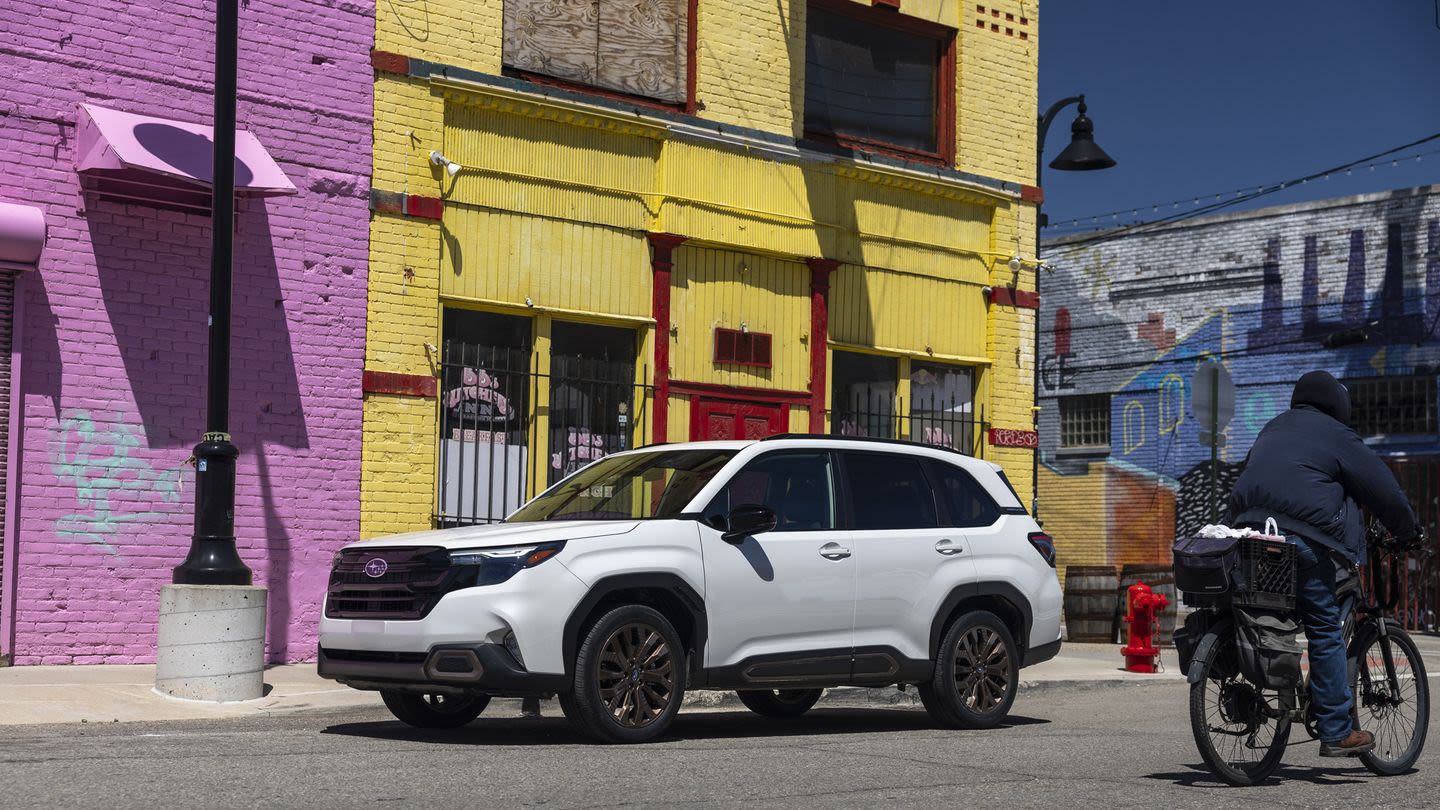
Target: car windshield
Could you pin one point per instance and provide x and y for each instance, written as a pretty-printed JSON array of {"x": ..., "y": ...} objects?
[{"x": 635, "y": 486}]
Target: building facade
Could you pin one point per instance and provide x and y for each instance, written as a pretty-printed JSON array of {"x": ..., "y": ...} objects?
[
  {"x": 103, "y": 310},
  {"x": 1349, "y": 285},
  {"x": 603, "y": 224}
]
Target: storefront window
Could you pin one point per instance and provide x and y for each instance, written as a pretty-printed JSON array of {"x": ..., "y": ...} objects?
[
  {"x": 942, "y": 405},
  {"x": 484, "y": 415},
  {"x": 862, "y": 395},
  {"x": 593, "y": 397}
]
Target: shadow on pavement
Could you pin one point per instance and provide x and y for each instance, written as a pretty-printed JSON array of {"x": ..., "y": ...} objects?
[
  {"x": 1201, "y": 776},
  {"x": 694, "y": 727}
]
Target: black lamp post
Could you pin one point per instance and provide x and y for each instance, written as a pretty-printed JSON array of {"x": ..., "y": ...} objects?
[
  {"x": 1082, "y": 155},
  {"x": 213, "y": 559}
]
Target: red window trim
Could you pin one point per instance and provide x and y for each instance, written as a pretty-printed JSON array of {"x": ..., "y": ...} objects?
[
  {"x": 689, "y": 106},
  {"x": 743, "y": 335},
  {"x": 945, "y": 75}
]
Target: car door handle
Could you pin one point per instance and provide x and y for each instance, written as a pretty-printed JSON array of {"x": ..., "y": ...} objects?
[
  {"x": 834, "y": 551},
  {"x": 949, "y": 547}
]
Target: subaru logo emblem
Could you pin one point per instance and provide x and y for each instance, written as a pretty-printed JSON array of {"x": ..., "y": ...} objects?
[{"x": 376, "y": 568}]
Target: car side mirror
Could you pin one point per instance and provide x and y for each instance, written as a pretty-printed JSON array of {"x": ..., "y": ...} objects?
[{"x": 748, "y": 519}]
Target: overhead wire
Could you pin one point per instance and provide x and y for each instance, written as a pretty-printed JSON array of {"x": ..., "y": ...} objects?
[{"x": 1072, "y": 246}]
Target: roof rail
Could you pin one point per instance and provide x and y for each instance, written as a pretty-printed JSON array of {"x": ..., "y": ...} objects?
[{"x": 872, "y": 439}]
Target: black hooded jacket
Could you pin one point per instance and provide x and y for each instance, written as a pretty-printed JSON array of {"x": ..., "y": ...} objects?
[{"x": 1308, "y": 470}]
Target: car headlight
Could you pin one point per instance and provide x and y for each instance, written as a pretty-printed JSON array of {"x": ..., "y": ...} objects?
[{"x": 490, "y": 566}]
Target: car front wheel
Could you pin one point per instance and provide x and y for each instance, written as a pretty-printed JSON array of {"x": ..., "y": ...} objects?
[
  {"x": 629, "y": 677},
  {"x": 976, "y": 673},
  {"x": 433, "y": 711}
]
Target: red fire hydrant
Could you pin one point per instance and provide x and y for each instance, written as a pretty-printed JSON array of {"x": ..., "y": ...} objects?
[{"x": 1145, "y": 605}]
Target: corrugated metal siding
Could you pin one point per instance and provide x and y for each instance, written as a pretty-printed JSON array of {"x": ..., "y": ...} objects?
[
  {"x": 7, "y": 324},
  {"x": 722, "y": 288},
  {"x": 551, "y": 168},
  {"x": 502, "y": 256},
  {"x": 911, "y": 313}
]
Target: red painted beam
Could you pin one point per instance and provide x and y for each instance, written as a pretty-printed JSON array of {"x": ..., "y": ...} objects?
[
  {"x": 1011, "y": 297},
  {"x": 820, "y": 270},
  {"x": 662, "y": 246}
]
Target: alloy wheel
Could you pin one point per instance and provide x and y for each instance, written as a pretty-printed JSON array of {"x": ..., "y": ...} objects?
[
  {"x": 636, "y": 675},
  {"x": 982, "y": 670}
]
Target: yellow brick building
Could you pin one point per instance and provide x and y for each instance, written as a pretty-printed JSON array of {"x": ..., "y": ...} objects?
[{"x": 604, "y": 223}]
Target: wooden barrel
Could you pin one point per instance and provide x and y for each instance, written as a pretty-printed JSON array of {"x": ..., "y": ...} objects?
[
  {"x": 1090, "y": 602},
  {"x": 1161, "y": 579}
]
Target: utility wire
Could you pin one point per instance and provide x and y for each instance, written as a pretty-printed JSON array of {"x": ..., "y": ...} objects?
[
  {"x": 1074, "y": 246},
  {"x": 1195, "y": 199}
]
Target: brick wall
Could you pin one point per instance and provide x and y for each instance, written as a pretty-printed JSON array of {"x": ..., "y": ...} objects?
[
  {"x": 114, "y": 333},
  {"x": 1262, "y": 290}
]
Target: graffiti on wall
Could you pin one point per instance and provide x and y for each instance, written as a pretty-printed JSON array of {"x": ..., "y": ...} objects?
[
  {"x": 1350, "y": 288},
  {"x": 113, "y": 484}
]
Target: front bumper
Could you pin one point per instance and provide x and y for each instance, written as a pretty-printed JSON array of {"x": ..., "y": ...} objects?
[{"x": 487, "y": 669}]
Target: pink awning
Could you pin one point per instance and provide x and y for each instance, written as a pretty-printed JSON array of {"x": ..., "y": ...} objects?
[
  {"x": 22, "y": 234},
  {"x": 142, "y": 152}
]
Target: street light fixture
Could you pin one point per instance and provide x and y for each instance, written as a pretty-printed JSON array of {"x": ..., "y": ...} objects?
[
  {"x": 1081, "y": 155},
  {"x": 213, "y": 559}
]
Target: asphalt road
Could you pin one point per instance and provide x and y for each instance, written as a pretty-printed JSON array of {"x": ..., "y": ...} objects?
[{"x": 1097, "y": 746}]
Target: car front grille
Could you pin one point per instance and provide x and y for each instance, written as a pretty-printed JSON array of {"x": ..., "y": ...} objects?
[{"x": 413, "y": 581}]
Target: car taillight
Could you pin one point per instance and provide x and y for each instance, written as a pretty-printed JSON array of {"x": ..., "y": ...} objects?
[{"x": 1045, "y": 544}]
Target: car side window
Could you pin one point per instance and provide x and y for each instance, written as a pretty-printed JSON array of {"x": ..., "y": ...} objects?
[
  {"x": 967, "y": 504},
  {"x": 799, "y": 487},
  {"x": 888, "y": 491}
]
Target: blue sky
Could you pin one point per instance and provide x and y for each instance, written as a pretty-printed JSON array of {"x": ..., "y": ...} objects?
[{"x": 1193, "y": 99}]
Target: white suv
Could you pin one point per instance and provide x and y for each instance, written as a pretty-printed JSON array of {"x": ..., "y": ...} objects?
[{"x": 775, "y": 568}]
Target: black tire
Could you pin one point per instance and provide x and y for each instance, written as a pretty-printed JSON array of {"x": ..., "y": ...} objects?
[
  {"x": 1221, "y": 700},
  {"x": 779, "y": 702},
  {"x": 627, "y": 661},
  {"x": 977, "y": 670},
  {"x": 433, "y": 711},
  {"x": 1399, "y": 728}
]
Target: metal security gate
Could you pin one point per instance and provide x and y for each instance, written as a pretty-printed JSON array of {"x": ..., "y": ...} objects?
[
  {"x": 507, "y": 431},
  {"x": 1419, "y": 476},
  {"x": 7, "y": 328}
]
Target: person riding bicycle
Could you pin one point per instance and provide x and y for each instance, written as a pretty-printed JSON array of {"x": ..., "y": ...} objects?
[{"x": 1308, "y": 469}]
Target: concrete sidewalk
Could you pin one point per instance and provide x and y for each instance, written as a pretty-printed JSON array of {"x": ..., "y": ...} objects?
[{"x": 118, "y": 694}]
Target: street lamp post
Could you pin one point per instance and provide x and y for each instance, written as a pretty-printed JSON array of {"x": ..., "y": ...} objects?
[
  {"x": 213, "y": 559},
  {"x": 1080, "y": 156}
]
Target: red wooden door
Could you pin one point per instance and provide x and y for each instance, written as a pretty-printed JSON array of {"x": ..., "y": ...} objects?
[{"x": 726, "y": 419}]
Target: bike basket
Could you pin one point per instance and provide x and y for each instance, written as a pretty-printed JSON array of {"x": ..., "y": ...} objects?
[
  {"x": 1265, "y": 575},
  {"x": 1203, "y": 568}
]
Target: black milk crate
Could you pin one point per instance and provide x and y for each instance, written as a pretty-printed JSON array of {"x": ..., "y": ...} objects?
[{"x": 1264, "y": 576}]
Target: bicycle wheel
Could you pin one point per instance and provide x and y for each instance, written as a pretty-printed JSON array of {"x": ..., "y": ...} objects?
[
  {"x": 1238, "y": 728},
  {"x": 1396, "y": 712}
]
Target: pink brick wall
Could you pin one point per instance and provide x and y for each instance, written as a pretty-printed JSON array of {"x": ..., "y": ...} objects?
[{"x": 114, "y": 337}]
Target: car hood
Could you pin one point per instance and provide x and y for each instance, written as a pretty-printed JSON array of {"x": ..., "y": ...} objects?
[{"x": 503, "y": 534}]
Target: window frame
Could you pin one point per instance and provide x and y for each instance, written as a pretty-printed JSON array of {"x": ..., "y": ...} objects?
[
  {"x": 932, "y": 467},
  {"x": 690, "y": 106},
  {"x": 945, "y": 107},
  {"x": 1425, "y": 384},
  {"x": 1084, "y": 448},
  {"x": 839, "y": 506},
  {"x": 849, "y": 524}
]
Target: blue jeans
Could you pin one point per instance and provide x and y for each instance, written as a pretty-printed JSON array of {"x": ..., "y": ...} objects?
[{"x": 1320, "y": 611}]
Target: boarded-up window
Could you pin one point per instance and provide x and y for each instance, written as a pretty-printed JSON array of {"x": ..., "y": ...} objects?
[{"x": 629, "y": 46}]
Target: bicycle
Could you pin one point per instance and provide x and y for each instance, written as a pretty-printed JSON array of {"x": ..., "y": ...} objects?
[{"x": 1242, "y": 728}]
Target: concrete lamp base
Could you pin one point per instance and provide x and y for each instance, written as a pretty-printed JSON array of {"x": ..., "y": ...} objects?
[{"x": 211, "y": 642}]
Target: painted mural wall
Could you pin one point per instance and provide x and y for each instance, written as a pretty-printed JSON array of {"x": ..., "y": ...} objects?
[
  {"x": 1348, "y": 285},
  {"x": 113, "y": 335}
]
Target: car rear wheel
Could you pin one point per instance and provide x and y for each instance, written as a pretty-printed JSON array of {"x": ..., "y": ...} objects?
[
  {"x": 780, "y": 702},
  {"x": 976, "y": 673},
  {"x": 433, "y": 711},
  {"x": 629, "y": 677}
]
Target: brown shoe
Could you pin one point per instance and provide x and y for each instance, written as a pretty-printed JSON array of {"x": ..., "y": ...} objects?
[{"x": 1359, "y": 742}]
